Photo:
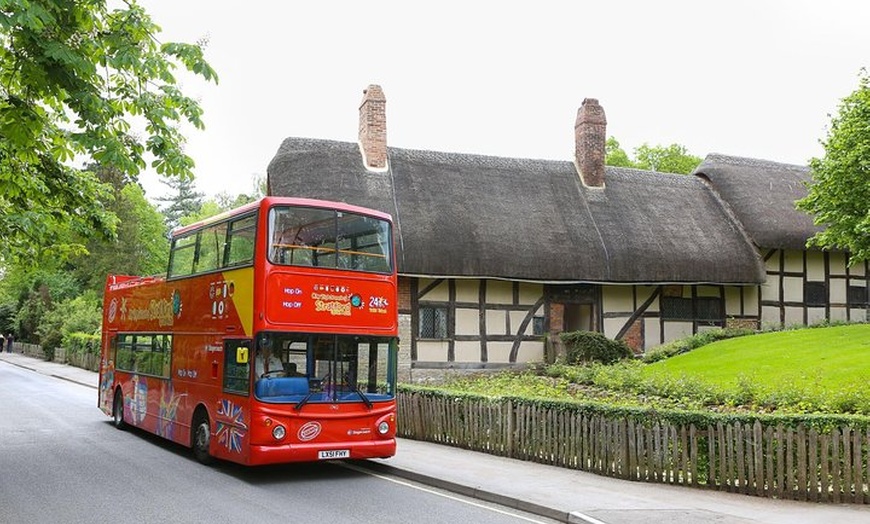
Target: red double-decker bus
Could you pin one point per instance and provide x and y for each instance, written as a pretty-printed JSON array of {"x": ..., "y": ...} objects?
[{"x": 272, "y": 338}]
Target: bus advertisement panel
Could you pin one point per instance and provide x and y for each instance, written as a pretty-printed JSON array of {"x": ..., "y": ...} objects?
[{"x": 272, "y": 338}]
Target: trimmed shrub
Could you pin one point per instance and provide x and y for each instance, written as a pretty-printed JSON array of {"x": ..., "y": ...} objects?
[{"x": 588, "y": 346}]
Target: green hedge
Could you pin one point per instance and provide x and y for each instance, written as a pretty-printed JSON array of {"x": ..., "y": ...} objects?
[{"x": 649, "y": 416}]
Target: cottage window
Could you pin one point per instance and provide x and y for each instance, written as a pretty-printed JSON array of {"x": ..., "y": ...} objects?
[
  {"x": 433, "y": 322},
  {"x": 537, "y": 326},
  {"x": 815, "y": 294},
  {"x": 858, "y": 296},
  {"x": 701, "y": 308}
]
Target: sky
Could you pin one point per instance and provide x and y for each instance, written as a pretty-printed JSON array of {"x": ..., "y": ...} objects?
[{"x": 758, "y": 78}]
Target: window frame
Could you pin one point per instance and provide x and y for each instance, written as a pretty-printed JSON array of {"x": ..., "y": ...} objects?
[
  {"x": 811, "y": 294},
  {"x": 222, "y": 258},
  {"x": 440, "y": 329},
  {"x": 145, "y": 343}
]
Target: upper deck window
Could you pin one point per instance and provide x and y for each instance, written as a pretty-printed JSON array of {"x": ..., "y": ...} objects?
[
  {"x": 303, "y": 236},
  {"x": 213, "y": 247}
]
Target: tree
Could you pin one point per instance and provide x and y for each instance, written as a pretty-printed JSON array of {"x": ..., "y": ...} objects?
[
  {"x": 183, "y": 200},
  {"x": 839, "y": 195},
  {"x": 140, "y": 246},
  {"x": 614, "y": 155},
  {"x": 74, "y": 79},
  {"x": 665, "y": 159}
]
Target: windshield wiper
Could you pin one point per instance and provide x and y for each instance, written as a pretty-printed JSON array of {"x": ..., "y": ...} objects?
[
  {"x": 303, "y": 401},
  {"x": 359, "y": 392}
]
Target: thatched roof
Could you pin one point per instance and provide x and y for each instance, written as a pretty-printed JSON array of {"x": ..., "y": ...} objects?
[
  {"x": 762, "y": 196},
  {"x": 462, "y": 215}
]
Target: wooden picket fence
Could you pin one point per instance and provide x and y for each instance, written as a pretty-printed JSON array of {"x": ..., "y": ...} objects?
[{"x": 767, "y": 461}]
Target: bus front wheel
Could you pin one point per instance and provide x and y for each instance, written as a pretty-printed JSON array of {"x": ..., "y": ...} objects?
[
  {"x": 201, "y": 439},
  {"x": 118, "y": 410}
]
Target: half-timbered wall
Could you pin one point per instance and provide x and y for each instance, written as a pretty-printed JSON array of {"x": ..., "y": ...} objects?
[
  {"x": 648, "y": 316},
  {"x": 475, "y": 324},
  {"x": 810, "y": 287}
]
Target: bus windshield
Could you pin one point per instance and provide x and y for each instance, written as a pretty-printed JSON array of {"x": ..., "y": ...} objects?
[
  {"x": 301, "y": 368},
  {"x": 305, "y": 236}
]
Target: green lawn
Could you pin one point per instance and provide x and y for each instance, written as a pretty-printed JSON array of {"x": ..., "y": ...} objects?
[{"x": 828, "y": 358}]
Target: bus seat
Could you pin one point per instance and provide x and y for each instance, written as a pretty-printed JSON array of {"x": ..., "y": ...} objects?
[{"x": 281, "y": 387}]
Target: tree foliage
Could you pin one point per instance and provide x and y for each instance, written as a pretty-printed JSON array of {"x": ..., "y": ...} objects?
[
  {"x": 674, "y": 158},
  {"x": 140, "y": 246},
  {"x": 182, "y": 201},
  {"x": 839, "y": 196},
  {"x": 666, "y": 159},
  {"x": 614, "y": 155},
  {"x": 77, "y": 81}
]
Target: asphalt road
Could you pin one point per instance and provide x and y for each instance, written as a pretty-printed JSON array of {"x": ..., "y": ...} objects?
[{"x": 61, "y": 461}]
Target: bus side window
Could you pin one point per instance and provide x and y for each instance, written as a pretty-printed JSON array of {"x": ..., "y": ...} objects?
[{"x": 237, "y": 366}]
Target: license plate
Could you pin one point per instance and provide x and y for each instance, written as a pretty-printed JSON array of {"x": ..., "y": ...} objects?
[{"x": 333, "y": 454}]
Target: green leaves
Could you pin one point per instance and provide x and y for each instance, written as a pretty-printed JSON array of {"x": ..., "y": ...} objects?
[
  {"x": 79, "y": 81},
  {"x": 839, "y": 196},
  {"x": 674, "y": 158}
]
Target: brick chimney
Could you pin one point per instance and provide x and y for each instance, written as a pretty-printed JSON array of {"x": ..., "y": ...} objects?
[
  {"x": 589, "y": 139},
  {"x": 373, "y": 128}
]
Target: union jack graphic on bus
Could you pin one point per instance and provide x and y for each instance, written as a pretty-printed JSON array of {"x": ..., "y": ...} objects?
[{"x": 231, "y": 427}]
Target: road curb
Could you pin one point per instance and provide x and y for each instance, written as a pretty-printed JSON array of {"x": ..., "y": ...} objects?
[{"x": 476, "y": 493}]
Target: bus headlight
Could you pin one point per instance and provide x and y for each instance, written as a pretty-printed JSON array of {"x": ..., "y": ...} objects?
[
  {"x": 383, "y": 427},
  {"x": 278, "y": 432}
]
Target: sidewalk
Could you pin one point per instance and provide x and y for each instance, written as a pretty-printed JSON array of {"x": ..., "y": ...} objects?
[{"x": 557, "y": 493}]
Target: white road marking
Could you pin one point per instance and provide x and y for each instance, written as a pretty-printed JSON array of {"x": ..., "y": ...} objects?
[{"x": 433, "y": 492}]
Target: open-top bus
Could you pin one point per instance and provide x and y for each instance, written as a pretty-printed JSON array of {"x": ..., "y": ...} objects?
[{"x": 272, "y": 338}]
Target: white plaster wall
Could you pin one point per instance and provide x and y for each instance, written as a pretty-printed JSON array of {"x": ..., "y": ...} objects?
[
  {"x": 643, "y": 293},
  {"x": 468, "y": 291},
  {"x": 838, "y": 291},
  {"x": 517, "y": 318},
  {"x": 750, "y": 300},
  {"x": 860, "y": 315},
  {"x": 496, "y": 322},
  {"x": 498, "y": 352},
  {"x": 530, "y": 293},
  {"x": 617, "y": 299},
  {"x": 651, "y": 333},
  {"x": 769, "y": 316},
  {"x": 773, "y": 262},
  {"x": 838, "y": 314},
  {"x": 857, "y": 269},
  {"x": 432, "y": 351},
  {"x": 770, "y": 288},
  {"x": 467, "y": 321},
  {"x": 838, "y": 263},
  {"x": 466, "y": 351},
  {"x": 675, "y": 330},
  {"x": 815, "y": 315},
  {"x": 815, "y": 266},
  {"x": 793, "y": 289},
  {"x": 794, "y": 261},
  {"x": 732, "y": 301},
  {"x": 794, "y": 316},
  {"x": 440, "y": 293},
  {"x": 499, "y": 292},
  {"x": 530, "y": 352},
  {"x": 613, "y": 325}
]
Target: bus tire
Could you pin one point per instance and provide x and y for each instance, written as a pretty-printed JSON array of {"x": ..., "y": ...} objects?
[
  {"x": 118, "y": 410},
  {"x": 201, "y": 438}
]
